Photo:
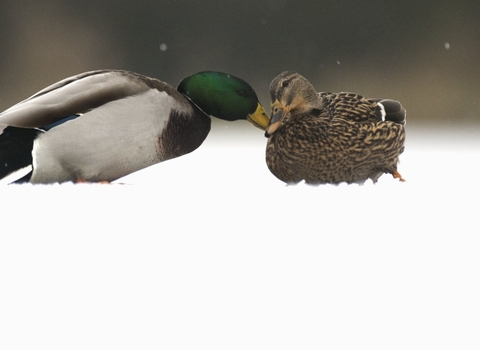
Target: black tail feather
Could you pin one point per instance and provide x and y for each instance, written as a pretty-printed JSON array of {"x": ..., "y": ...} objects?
[
  {"x": 394, "y": 111},
  {"x": 16, "y": 146}
]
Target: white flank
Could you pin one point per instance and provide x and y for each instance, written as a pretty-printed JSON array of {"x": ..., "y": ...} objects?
[{"x": 113, "y": 139}]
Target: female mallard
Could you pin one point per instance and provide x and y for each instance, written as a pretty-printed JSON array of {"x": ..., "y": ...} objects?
[
  {"x": 102, "y": 125},
  {"x": 331, "y": 137}
]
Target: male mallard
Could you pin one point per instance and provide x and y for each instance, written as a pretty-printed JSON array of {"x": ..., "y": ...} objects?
[
  {"x": 331, "y": 137},
  {"x": 105, "y": 124}
]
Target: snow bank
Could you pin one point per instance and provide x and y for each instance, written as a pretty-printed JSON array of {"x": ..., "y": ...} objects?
[{"x": 211, "y": 251}]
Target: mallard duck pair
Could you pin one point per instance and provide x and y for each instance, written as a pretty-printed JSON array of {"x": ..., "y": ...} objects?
[
  {"x": 324, "y": 138},
  {"x": 102, "y": 125}
]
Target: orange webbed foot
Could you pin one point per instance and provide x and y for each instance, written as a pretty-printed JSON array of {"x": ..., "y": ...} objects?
[
  {"x": 82, "y": 181},
  {"x": 396, "y": 175}
]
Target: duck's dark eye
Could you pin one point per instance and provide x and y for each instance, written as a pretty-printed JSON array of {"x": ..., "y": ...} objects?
[
  {"x": 242, "y": 93},
  {"x": 285, "y": 83}
]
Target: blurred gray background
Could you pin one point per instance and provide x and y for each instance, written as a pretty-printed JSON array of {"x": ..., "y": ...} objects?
[{"x": 424, "y": 53}]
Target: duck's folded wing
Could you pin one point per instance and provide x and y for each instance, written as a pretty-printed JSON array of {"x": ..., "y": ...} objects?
[
  {"x": 348, "y": 105},
  {"x": 357, "y": 108},
  {"x": 73, "y": 95}
]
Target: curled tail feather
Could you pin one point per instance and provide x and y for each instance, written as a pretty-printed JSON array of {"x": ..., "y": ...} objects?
[{"x": 391, "y": 110}]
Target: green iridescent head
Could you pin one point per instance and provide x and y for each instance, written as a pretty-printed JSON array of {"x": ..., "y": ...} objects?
[{"x": 224, "y": 96}]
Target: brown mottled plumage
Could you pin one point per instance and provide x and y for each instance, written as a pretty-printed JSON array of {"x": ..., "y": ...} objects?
[{"x": 331, "y": 137}]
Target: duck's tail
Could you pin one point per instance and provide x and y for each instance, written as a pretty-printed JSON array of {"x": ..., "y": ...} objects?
[
  {"x": 391, "y": 110},
  {"x": 16, "y": 145}
]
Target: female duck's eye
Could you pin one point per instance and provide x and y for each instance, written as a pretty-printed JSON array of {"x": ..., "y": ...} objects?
[
  {"x": 242, "y": 93},
  {"x": 285, "y": 83}
]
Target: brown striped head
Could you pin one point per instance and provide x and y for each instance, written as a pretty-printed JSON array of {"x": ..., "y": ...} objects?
[{"x": 291, "y": 94}]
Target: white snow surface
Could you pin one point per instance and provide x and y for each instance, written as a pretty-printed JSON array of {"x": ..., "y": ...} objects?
[{"x": 211, "y": 251}]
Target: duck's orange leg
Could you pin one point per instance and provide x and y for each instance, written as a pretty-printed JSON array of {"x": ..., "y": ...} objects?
[
  {"x": 82, "y": 181},
  {"x": 396, "y": 175}
]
